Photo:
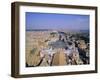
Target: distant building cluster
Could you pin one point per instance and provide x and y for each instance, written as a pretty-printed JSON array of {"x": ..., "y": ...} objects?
[{"x": 56, "y": 48}]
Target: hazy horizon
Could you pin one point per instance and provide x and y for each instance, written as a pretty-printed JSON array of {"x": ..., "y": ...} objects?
[{"x": 54, "y": 21}]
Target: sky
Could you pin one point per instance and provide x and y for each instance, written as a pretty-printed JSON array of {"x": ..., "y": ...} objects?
[{"x": 56, "y": 21}]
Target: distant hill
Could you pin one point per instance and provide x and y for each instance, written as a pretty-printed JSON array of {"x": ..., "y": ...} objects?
[
  {"x": 60, "y": 30},
  {"x": 38, "y": 30},
  {"x": 84, "y": 31}
]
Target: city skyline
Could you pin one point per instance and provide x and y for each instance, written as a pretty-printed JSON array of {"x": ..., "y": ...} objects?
[{"x": 56, "y": 21}]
